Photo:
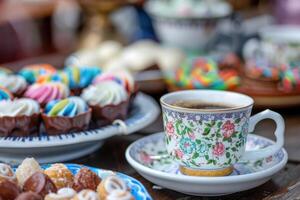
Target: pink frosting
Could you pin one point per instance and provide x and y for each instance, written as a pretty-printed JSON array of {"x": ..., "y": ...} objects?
[{"x": 43, "y": 93}]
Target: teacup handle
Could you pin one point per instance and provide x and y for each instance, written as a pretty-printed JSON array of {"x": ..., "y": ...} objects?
[{"x": 279, "y": 133}]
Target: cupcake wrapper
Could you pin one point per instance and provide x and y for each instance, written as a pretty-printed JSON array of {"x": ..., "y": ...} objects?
[
  {"x": 106, "y": 115},
  {"x": 19, "y": 125},
  {"x": 76, "y": 91},
  {"x": 61, "y": 125}
]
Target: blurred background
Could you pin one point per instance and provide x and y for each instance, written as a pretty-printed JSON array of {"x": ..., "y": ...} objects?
[{"x": 249, "y": 46}]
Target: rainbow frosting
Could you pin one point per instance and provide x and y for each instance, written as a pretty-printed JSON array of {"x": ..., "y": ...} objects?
[
  {"x": 68, "y": 107},
  {"x": 200, "y": 73},
  {"x": 46, "y": 92},
  {"x": 32, "y": 72},
  {"x": 59, "y": 76},
  {"x": 5, "y": 94},
  {"x": 81, "y": 77}
]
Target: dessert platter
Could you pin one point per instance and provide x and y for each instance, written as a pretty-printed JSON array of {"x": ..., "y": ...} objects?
[
  {"x": 57, "y": 115},
  {"x": 30, "y": 181},
  {"x": 150, "y": 158}
]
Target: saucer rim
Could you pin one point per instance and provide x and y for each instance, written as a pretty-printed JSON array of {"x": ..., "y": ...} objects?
[{"x": 207, "y": 180}]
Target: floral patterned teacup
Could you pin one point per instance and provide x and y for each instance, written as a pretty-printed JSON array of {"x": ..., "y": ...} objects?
[{"x": 208, "y": 142}]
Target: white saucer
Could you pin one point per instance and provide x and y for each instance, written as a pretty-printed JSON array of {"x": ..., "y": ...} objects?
[
  {"x": 165, "y": 173},
  {"x": 48, "y": 149}
]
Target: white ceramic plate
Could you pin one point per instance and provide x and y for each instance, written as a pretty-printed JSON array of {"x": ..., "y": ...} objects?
[
  {"x": 165, "y": 173},
  {"x": 47, "y": 149}
]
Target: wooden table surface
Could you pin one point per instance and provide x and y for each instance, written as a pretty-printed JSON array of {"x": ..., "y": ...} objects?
[{"x": 284, "y": 185}]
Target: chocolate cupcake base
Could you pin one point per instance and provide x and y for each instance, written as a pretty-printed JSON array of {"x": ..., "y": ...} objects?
[
  {"x": 108, "y": 114},
  {"x": 19, "y": 125},
  {"x": 55, "y": 125}
]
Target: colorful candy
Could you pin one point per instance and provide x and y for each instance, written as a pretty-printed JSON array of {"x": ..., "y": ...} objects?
[
  {"x": 32, "y": 72},
  {"x": 200, "y": 73},
  {"x": 68, "y": 107},
  {"x": 5, "y": 94},
  {"x": 81, "y": 77}
]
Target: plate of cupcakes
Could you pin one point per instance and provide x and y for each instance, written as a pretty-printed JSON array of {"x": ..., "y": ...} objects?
[
  {"x": 57, "y": 115},
  {"x": 60, "y": 181}
]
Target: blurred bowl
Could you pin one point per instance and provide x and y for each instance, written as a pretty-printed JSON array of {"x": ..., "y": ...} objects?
[{"x": 188, "y": 33}]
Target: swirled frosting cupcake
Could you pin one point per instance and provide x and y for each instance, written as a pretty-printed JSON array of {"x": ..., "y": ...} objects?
[
  {"x": 14, "y": 83},
  {"x": 32, "y": 72},
  {"x": 5, "y": 94},
  {"x": 73, "y": 111},
  {"x": 19, "y": 117},
  {"x": 108, "y": 100},
  {"x": 81, "y": 77},
  {"x": 59, "y": 76},
  {"x": 46, "y": 92}
]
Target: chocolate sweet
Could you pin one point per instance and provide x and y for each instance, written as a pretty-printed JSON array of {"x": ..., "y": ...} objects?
[
  {"x": 86, "y": 179},
  {"x": 106, "y": 115},
  {"x": 40, "y": 184},
  {"x": 19, "y": 125},
  {"x": 29, "y": 196},
  {"x": 61, "y": 176},
  {"x": 60, "y": 124},
  {"x": 8, "y": 190}
]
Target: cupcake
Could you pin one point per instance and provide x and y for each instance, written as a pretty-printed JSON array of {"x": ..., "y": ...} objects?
[
  {"x": 81, "y": 77},
  {"x": 46, "y": 92},
  {"x": 113, "y": 187},
  {"x": 32, "y": 72},
  {"x": 68, "y": 115},
  {"x": 14, "y": 83},
  {"x": 61, "y": 176},
  {"x": 5, "y": 71},
  {"x": 19, "y": 117},
  {"x": 59, "y": 76},
  {"x": 5, "y": 94},
  {"x": 109, "y": 101},
  {"x": 28, "y": 167}
]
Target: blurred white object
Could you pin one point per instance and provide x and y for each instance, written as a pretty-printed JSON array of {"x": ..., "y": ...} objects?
[{"x": 191, "y": 28}]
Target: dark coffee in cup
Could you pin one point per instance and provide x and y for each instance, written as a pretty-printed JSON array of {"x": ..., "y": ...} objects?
[{"x": 201, "y": 105}]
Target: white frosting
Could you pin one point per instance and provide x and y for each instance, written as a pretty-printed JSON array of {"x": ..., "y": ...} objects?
[
  {"x": 62, "y": 194},
  {"x": 27, "y": 168},
  {"x": 116, "y": 189},
  {"x": 87, "y": 195},
  {"x": 18, "y": 107},
  {"x": 80, "y": 103},
  {"x": 14, "y": 83},
  {"x": 6, "y": 172},
  {"x": 104, "y": 93}
]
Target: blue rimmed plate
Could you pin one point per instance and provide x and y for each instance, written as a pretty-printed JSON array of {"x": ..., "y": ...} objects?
[
  {"x": 48, "y": 149},
  {"x": 149, "y": 157}
]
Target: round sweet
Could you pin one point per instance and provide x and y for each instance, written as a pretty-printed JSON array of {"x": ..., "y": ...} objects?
[
  {"x": 8, "y": 190},
  {"x": 120, "y": 76},
  {"x": 19, "y": 107},
  {"x": 114, "y": 188},
  {"x": 31, "y": 72},
  {"x": 59, "y": 76},
  {"x": 39, "y": 183},
  {"x": 104, "y": 93},
  {"x": 86, "y": 195},
  {"x": 86, "y": 179},
  {"x": 62, "y": 194},
  {"x": 14, "y": 83},
  {"x": 68, "y": 107},
  {"x": 5, "y": 94},
  {"x": 60, "y": 175},
  {"x": 28, "y": 167},
  {"x": 81, "y": 77},
  {"x": 46, "y": 92},
  {"x": 29, "y": 196},
  {"x": 7, "y": 173}
]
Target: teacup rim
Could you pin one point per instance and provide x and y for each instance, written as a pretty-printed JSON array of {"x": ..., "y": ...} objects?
[{"x": 194, "y": 110}]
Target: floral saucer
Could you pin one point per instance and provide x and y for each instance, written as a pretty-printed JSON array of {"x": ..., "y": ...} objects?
[{"x": 149, "y": 157}]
